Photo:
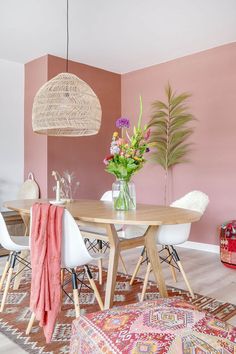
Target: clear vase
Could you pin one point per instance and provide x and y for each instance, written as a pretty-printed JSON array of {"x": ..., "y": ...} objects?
[{"x": 123, "y": 195}]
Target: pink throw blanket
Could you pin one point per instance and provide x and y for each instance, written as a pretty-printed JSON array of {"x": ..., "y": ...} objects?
[{"x": 46, "y": 235}]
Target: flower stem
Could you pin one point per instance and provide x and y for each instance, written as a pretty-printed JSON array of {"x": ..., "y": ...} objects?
[{"x": 140, "y": 112}]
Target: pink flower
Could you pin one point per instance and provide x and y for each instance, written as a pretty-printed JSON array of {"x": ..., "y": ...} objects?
[
  {"x": 147, "y": 134},
  {"x": 121, "y": 141}
]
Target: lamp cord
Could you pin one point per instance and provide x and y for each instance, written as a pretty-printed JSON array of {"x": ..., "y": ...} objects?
[{"x": 67, "y": 34}]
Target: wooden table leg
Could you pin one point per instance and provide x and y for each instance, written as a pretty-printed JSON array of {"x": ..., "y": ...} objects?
[
  {"x": 154, "y": 258},
  {"x": 26, "y": 220},
  {"x": 112, "y": 265}
]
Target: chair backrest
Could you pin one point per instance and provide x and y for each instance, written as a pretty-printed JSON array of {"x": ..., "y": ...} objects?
[
  {"x": 107, "y": 196},
  {"x": 73, "y": 252},
  {"x": 5, "y": 239},
  {"x": 176, "y": 234},
  {"x": 194, "y": 200}
]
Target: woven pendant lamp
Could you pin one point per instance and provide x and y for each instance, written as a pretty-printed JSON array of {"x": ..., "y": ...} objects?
[{"x": 66, "y": 106}]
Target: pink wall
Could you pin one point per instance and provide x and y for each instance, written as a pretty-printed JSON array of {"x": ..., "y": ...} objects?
[
  {"x": 211, "y": 78},
  {"x": 84, "y": 155},
  {"x": 35, "y": 145}
]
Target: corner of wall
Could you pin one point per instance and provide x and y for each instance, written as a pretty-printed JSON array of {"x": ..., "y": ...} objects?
[{"x": 35, "y": 146}]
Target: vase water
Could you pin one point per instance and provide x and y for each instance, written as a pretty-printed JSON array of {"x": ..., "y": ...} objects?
[{"x": 123, "y": 195}]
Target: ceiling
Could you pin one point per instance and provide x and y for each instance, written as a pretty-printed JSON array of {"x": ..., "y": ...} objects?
[{"x": 116, "y": 35}]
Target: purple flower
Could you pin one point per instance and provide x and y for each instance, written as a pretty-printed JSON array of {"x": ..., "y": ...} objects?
[
  {"x": 147, "y": 149},
  {"x": 122, "y": 122}
]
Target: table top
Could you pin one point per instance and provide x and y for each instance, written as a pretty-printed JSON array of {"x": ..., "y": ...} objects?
[{"x": 103, "y": 212}]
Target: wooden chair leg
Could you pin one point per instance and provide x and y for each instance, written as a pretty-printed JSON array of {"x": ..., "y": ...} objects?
[
  {"x": 185, "y": 279},
  {"x": 172, "y": 269},
  {"x": 76, "y": 302},
  {"x": 93, "y": 286},
  {"x": 30, "y": 324},
  {"x": 75, "y": 294},
  {"x": 24, "y": 255},
  {"x": 175, "y": 255},
  {"x": 149, "y": 267},
  {"x": 123, "y": 264},
  {"x": 137, "y": 266},
  {"x": 62, "y": 275},
  {"x": 4, "y": 274},
  {"x": 9, "y": 276}
]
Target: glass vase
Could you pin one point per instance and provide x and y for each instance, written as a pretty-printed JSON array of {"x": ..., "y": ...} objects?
[{"x": 123, "y": 195}]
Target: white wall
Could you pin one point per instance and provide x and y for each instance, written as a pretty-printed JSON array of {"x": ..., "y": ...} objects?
[{"x": 11, "y": 129}]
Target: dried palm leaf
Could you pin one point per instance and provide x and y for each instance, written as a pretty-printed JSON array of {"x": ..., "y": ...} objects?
[{"x": 170, "y": 132}]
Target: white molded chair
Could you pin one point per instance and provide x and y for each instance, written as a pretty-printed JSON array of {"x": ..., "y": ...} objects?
[
  {"x": 98, "y": 244},
  {"x": 169, "y": 236},
  {"x": 14, "y": 244},
  {"x": 74, "y": 253}
]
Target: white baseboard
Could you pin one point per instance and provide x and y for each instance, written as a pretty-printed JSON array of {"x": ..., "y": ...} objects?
[{"x": 201, "y": 246}]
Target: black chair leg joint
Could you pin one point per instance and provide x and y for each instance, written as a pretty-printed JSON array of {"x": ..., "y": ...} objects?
[
  {"x": 74, "y": 280},
  {"x": 13, "y": 260},
  {"x": 175, "y": 254},
  {"x": 88, "y": 272}
]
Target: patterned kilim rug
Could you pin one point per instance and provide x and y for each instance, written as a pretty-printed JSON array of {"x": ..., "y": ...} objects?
[{"x": 16, "y": 314}]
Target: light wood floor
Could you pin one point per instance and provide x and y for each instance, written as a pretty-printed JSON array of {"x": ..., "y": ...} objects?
[{"x": 205, "y": 272}]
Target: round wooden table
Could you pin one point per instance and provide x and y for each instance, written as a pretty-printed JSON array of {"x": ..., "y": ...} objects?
[{"x": 103, "y": 215}]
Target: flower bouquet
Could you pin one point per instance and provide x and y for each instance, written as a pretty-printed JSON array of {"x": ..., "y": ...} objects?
[{"x": 126, "y": 158}]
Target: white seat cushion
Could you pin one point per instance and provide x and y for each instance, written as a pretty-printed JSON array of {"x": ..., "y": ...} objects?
[{"x": 22, "y": 241}]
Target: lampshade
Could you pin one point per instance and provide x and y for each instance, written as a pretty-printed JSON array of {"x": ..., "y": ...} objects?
[{"x": 66, "y": 106}]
